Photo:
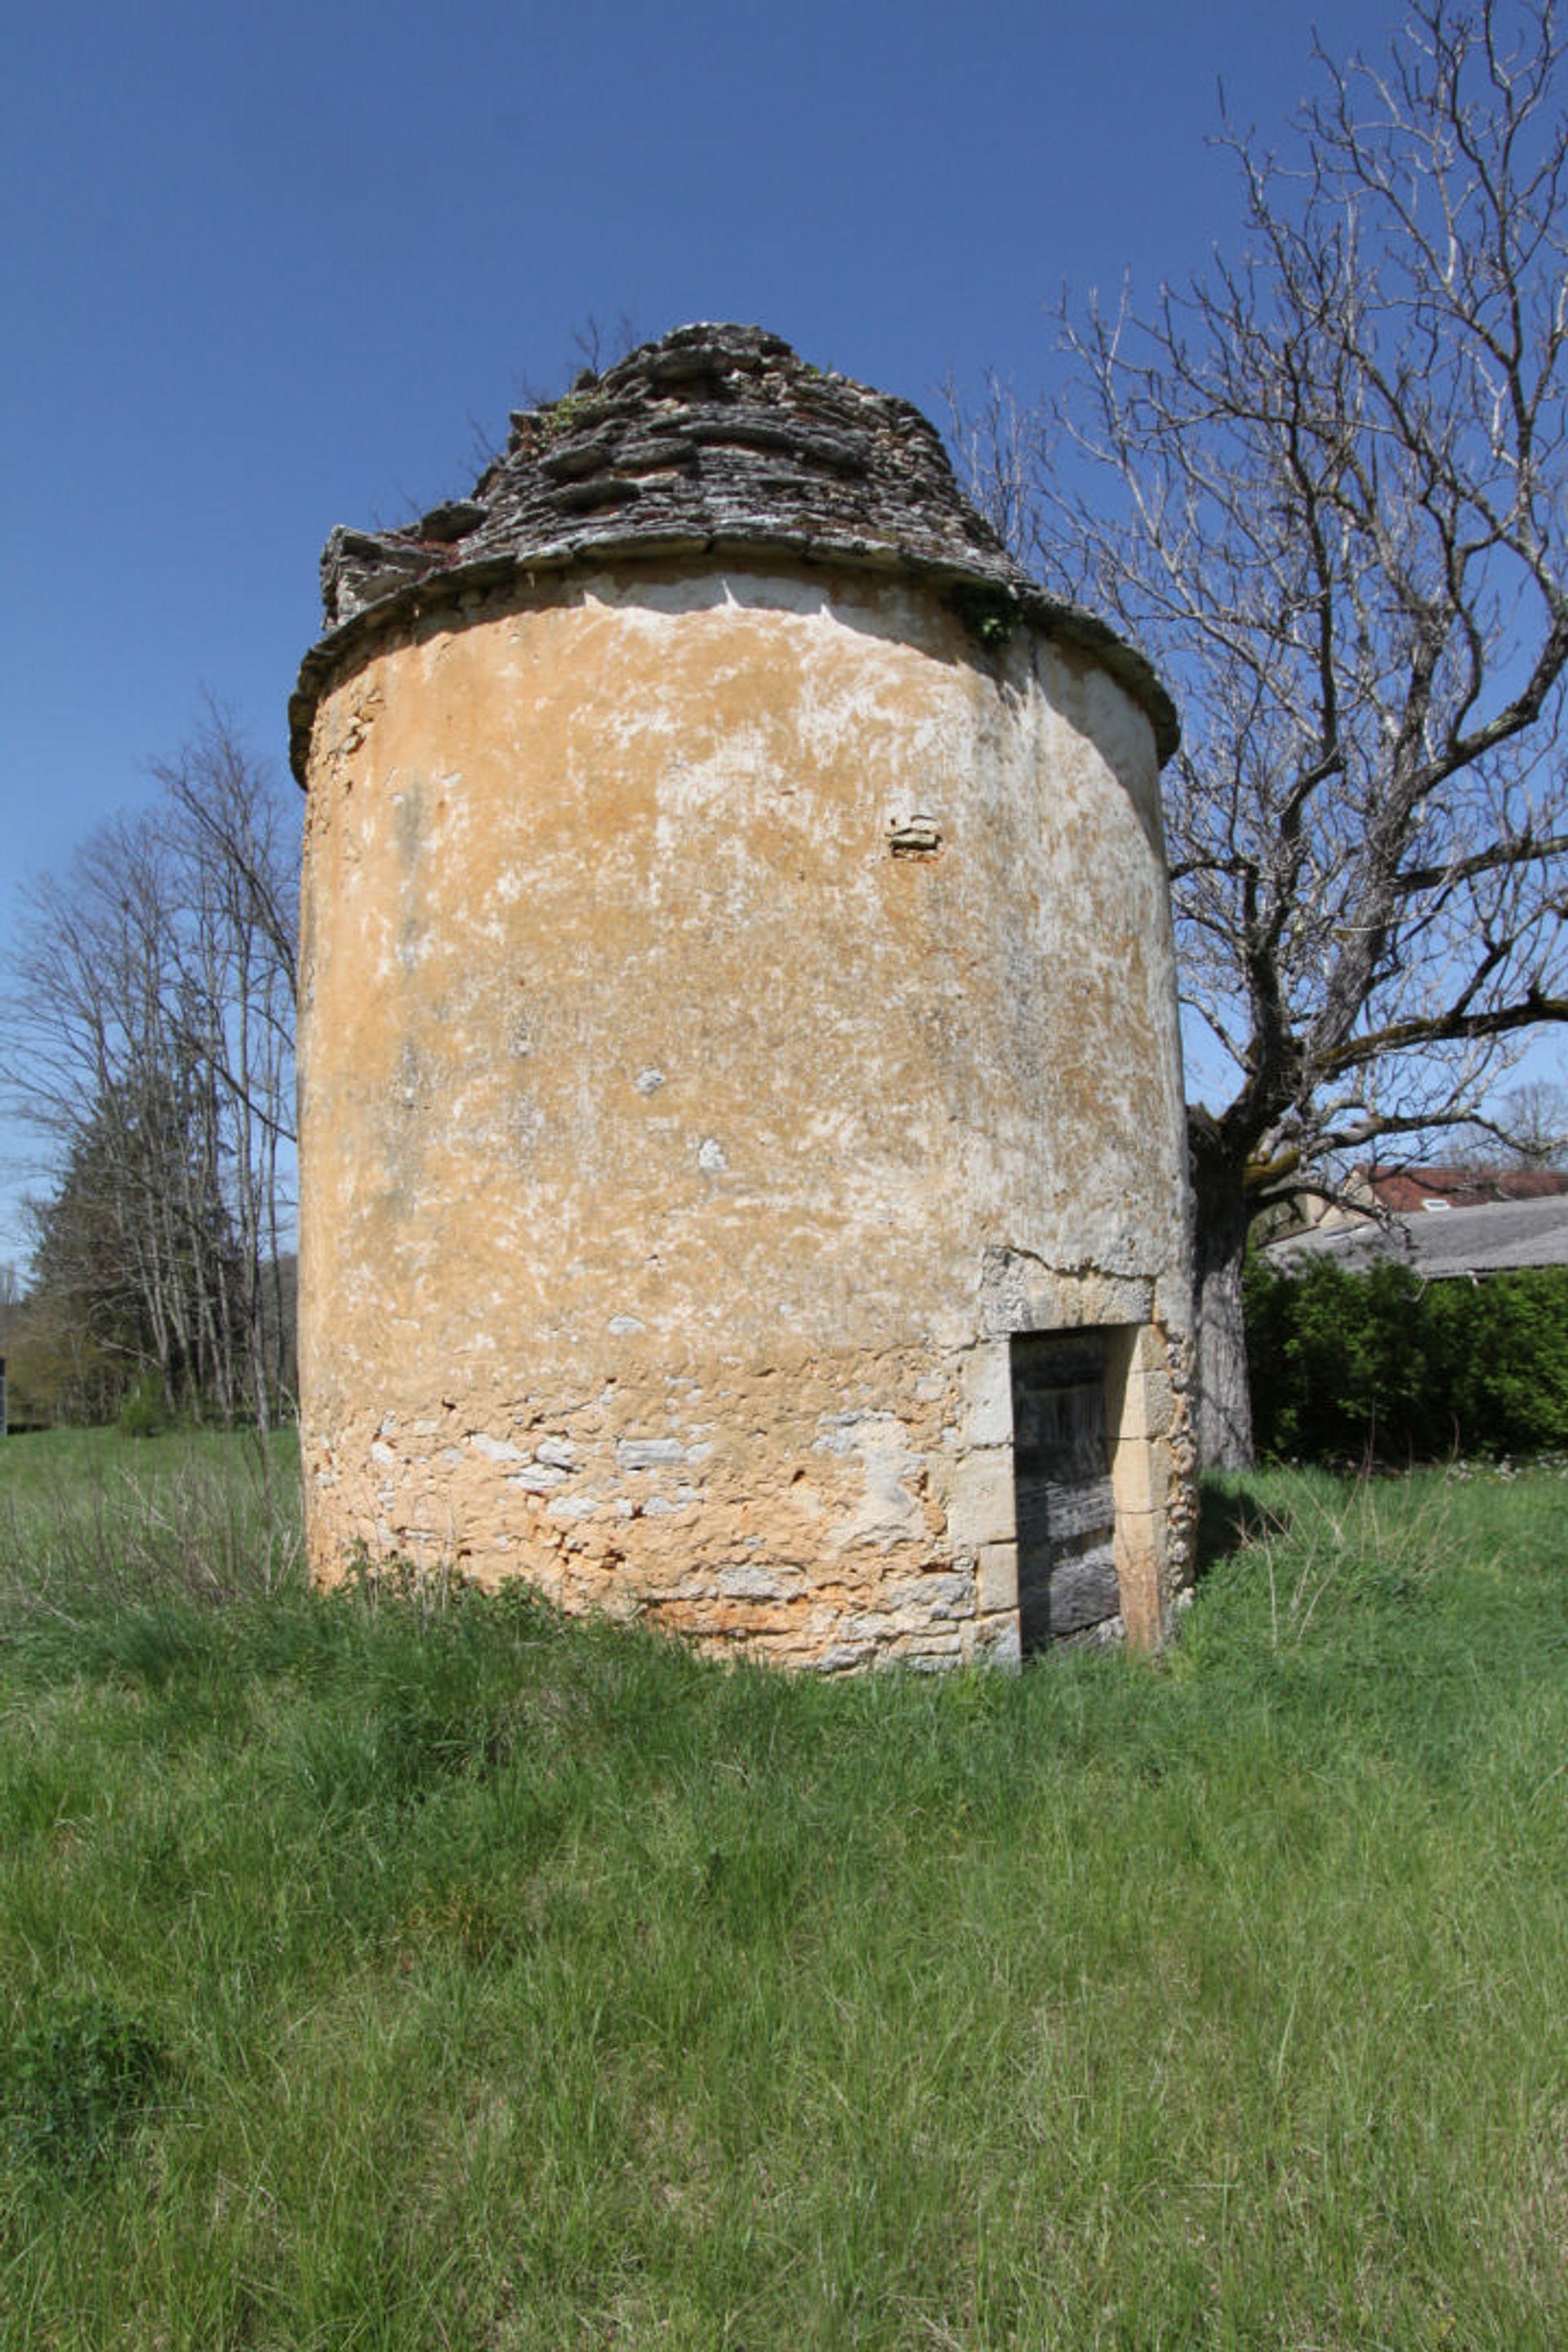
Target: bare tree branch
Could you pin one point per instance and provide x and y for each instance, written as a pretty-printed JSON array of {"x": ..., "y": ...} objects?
[{"x": 1325, "y": 484}]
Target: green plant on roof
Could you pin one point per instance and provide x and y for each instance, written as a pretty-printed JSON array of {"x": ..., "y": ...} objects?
[{"x": 990, "y": 615}]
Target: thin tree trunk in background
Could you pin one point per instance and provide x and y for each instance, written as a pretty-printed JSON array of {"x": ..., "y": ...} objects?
[{"x": 1221, "y": 1217}]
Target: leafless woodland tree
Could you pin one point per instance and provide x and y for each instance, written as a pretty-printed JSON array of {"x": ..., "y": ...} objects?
[
  {"x": 148, "y": 1039},
  {"x": 1535, "y": 1127},
  {"x": 1527, "y": 1129},
  {"x": 1326, "y": 485}
]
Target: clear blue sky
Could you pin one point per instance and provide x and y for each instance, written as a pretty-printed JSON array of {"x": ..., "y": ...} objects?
[{"x": 267, "y": 269}]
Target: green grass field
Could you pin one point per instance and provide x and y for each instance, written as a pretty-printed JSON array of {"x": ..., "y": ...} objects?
[{"x": 375, "y": 1974}]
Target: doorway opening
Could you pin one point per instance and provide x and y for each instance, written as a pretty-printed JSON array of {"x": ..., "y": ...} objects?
[{"x": 1061, "y": 1470}]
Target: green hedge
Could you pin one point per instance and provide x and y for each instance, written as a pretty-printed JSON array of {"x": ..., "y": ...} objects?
[{"x": 1385, "y": 1365}]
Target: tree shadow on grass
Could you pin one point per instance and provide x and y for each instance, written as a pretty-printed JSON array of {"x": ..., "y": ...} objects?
[{"x": 1228, "y": 1518}]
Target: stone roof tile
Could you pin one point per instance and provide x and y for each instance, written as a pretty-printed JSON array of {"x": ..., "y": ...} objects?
[{"x": 716, "y": 438}]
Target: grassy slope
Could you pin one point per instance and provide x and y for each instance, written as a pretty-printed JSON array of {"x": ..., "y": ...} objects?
[{"x": 513, "y": 1984}]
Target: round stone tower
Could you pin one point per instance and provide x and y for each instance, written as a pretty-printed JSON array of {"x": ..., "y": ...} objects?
[{"x": 742, "y": 1136}]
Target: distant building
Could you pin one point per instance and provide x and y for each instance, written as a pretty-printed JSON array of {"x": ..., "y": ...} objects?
[
  {"x": 1443, "y": 1223},
  {"x": 1463, "y": 1188}
]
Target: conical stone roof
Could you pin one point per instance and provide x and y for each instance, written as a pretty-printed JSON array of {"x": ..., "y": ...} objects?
[{"x": 715, "y": 441}]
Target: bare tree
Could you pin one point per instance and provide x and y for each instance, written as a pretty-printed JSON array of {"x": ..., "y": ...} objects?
[
  {"x": 1326, "y": 485},
  {"x": 148, "y": 1039},
  {"x": 1534, "y": 1124},
  {"x": 236, "y": 957}
]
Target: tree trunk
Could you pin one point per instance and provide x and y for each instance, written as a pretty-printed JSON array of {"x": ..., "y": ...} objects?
[{"x": 1221, "y": 1213}]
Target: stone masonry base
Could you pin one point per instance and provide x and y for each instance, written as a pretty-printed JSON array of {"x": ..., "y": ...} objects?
[{"x": 826, "y": 1511}]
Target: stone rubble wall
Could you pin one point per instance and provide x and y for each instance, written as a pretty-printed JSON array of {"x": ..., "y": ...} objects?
[{"x": 833, "y": 1513}]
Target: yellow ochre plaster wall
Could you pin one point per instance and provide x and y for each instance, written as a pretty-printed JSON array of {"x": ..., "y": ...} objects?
[{"x": 734, "y": 1003}]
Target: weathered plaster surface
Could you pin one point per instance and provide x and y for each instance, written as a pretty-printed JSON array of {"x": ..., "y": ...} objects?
[{"x": 732, "y": 1004}]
